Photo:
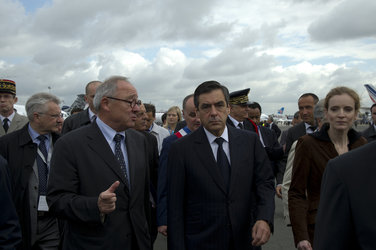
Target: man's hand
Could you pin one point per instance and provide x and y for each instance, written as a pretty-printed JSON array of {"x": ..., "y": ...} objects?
[
  {"x": 304, "y": 245},
  {"x": 260, "y": 233},
  {"x": 163, "y": 230},
  {"x": 107, "y": 199},
  {"x": 278, "y": 191}
]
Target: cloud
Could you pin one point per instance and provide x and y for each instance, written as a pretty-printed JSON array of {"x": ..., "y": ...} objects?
[{"x": 349, "y": 20}]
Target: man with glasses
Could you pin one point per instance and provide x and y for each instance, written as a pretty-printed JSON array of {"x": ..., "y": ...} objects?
[
  {"x": 28, "y": 152},
  {"x": 213, "y": 173},
  {"x": 239, "y": 110},
  {"x": 141, "y": 126},
  {"x": 87, "y": 116},
  {"x": 192, "y": 123},
  {"x": 10, "y": 120},
  {"x": 99, "y": 182}
]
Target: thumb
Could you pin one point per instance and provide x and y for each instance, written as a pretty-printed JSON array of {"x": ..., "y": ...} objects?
[{"x": 113, "y": 187}]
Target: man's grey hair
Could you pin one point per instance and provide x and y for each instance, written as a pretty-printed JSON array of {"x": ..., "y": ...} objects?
[
  {"x": 108, "y": 88},
  {"x": 37, "y": 104},
  {"x": 318, "y": 111}
]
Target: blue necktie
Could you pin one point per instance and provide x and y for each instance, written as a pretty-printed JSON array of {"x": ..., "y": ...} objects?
[
  {"x": 119, "y": 155},
  {"x": 42, "y": 166},
  {"x": 222, "y": 162}
]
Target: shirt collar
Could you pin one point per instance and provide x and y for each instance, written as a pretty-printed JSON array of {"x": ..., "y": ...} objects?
[
  {"x": 10, "y": 118},
  {"x": 212, "y": 137},
  {"x": 234, "y": 121},
  {"x": 107, "y": 131},
  {"x": 34, "y": 134}
]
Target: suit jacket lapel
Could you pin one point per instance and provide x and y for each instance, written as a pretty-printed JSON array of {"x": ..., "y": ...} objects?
[
  {"x": 99, "y": 145},
  {"x": 205, "y": 155},
  {"x": 133, "y": 154},
  {"x": 235, "y": 155}
]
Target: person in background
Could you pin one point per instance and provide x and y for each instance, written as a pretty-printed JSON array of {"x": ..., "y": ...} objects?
[
  {"x": 173, "y": 117},
  {"x": 28, "y": 152},
  {"x": 370, "y": 132},
  {"x": 295, "y": 120},
  {"x": 273, "y": 126},
  {"x": 238, "y": 116},
  {"x": 319, "y": 114},
  {"x": 10, "y": 119},
  {"x": 83, "y": 118},
  {"x": 312, "y": 153},
  {"x": 159, "y": 132},
  {"x": 141, "y": 126},
  {"x": 306, "y": 104},
  {"x": 192, "y": 123}
]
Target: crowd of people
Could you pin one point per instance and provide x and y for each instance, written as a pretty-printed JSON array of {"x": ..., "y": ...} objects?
[{"x": 109, "y": 177}]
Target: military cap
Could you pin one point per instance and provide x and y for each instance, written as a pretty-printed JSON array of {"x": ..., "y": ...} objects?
[
  {"x": 239, "y": 96},
  {"x": 7, "y": 86}
]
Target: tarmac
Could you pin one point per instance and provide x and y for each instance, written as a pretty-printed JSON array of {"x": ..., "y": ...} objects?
[{"x": 281, "y": 239}]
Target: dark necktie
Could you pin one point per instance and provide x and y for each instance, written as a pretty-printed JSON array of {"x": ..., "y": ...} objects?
[
  {"x": 240, "y": 125},
  {"x": 222, "y": 162},
  {"x": 119, "y": 155},
  {"x": 42, "y": 166},
  {"x": 5, "y": 124},
  {"x": 313, "y": 128}
]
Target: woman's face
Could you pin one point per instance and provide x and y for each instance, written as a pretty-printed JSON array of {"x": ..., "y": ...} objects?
[
  {"x": 341, "y": 112},
  {"x": 172, "y": 117}
]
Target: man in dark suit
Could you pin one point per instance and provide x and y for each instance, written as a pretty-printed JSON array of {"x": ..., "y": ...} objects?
[
  {"x": 274, "y": 126},
  {"x": 85, "y": 117},
  {"x": 212, "y": 173},
  {"x": 9, "y": 225},
  {"x": 141, "y": 125},
  {"x": 192, "y": 123},
  {"x": 237, "y": 118},
  {"x": 268, "y": 139},
  {"x": 99, "y": 181},
  {"x": 28, "y": 152},
  {"x": 370, "y": 132},
  {"x": 306, "y": 104},
  {"x": 346, "y": 214}
]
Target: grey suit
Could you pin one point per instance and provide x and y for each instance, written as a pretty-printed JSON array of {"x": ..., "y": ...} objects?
[
  {"x": 82, "y": 166},
  {"x": 17, "y": 123}
]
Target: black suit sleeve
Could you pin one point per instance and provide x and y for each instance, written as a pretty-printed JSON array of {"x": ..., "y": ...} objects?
[
  {"x": 64, "y": 187},
  {"x": 9, "y": 226},
  {"x": 333, "y": 219},
  {"x": 175, "y": 203}
]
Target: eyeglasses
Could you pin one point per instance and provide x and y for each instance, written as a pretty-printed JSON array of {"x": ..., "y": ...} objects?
[
  {"x": 132, "y": 103},
  {"x": 53, "y": 116}
]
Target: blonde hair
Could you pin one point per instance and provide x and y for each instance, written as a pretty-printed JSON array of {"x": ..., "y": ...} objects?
[
  {"x": 176, "y": 110},
  {"x": 340, "y": 91}
]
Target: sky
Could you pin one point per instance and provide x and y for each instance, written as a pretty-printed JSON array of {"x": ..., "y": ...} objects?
[{"x": 279, "y": 49}]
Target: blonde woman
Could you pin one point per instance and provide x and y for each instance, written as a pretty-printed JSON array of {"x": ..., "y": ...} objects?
[
  {"x": 312, "y": 153},
  {"x": 173, "y": 117}
]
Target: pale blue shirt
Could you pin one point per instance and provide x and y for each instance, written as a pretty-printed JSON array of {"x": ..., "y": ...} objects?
[
  {"x": 91, "y": 114},
  {"x": 48, "y": 143},
  {"x": 214, "y": 145},
  {"x": 109, "y": 135}
]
